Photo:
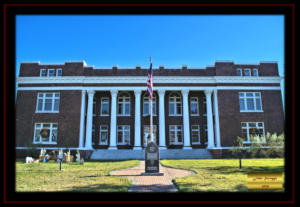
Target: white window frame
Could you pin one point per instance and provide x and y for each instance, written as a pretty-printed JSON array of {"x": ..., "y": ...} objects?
[
  {"x": 43, "y": 103},
  {"x": 51, "y": 128},
  {"x": 204, "y": 103},
  {"x": 103, "y": 130},
  {"x": 48, "y": 74},
  {"x": 257, "y": 127},
  {"x": 59, "y": 69},
  {"x": 176, "y": 130},
  {"x": 104, "y": 98},
  {"x": 123, "y": 134},
  {"x": 195, "y": 130},
  {"x": 197, "y": 102},
  {"x": 94, "y": 107},
  {"x": 175, "y": 102},
  {"x": 146, "y": 99},
  {"x": 239, "y": 70},
  {"x": 41, "y": 72},
  {"x": 255, "y": 70},
  {"x": 247, "y": 69},
  {"x": 93, "y": 134},
  {"x": 244, "y": 98},
  {"x": 205, "y": 133},
  {"x": 122, "y": 100}
]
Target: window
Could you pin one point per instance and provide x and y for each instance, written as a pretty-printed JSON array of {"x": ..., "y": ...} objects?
[
  {"x": 175, "y": 134},
  {"x": 146, "y": 137},
  {"x": 45, "y": 133},
  {"x": 239, "y": 72},
  {"x": 123, "y": 134},
  {"x": 204, "y": 106},
  {"x": 255, "y": 72},
  {"x": 47, "y": 102},
  {"x": 51, "y": 73},
  {"x": 43, "y": 73},
  {"x": 103, "y": 134},
  {"x": 175, "y": 108},
  {"x": 146, "y": 105},
  {"x": 124, "y": 105},
  {"x": 247, "y": 72},
  {"x": 93, "y": 134},
  {"x": 104, "y": 106},
  {"x": 250, "y": 102},
  {"x": 252, "y": 129},
  {"x": 194, "y": 106},
  {"x": 205, "y": 133},
  {"x": 59, "y": 72},
  {"x": 195, "y": 134},
  {"x": 94, "y": 107}
]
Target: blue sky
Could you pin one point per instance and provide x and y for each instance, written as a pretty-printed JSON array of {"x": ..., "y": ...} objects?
[{"x": 129, "y": 40}]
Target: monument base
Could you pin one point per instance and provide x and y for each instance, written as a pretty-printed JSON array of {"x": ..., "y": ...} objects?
[{"x": 152, "y": 174}]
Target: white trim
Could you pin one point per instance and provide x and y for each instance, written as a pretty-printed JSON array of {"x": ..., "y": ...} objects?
[
  {"x": 143, "y": 79},
  {"x": 199, "y": 134},
  {"x": 53, "y": 98},
  {"x": 123, "y": 134},
  {"x": 257, "y": 127},
  {"x": 58, "y": 69},
  {"x": 107, "y": 131},
  {"x": 244, "y": 99},
  {"x": 175, "y": 135},
  {"x": 171, "y": 95},
  {"x": 126, "y": 88},
  {"x": 197, "y": 107},
  {"x": 51, "y": 69},
  {"x": 51, "y": 128},
  {"x": 102, "y": 98},
  {"x": 247, "y": 69},
  {"x": 123, "y": 102}
]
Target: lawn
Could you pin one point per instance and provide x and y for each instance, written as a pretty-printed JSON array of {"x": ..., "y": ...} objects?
[
  {"x": 90, "y": 177},
  {"x": 221, "y": 174}
]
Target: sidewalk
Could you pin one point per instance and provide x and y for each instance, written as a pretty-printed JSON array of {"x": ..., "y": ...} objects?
[{"x": 151, "y": 183}]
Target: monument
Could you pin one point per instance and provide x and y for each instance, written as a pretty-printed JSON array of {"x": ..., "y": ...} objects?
[{"x": 152, "y": 150}]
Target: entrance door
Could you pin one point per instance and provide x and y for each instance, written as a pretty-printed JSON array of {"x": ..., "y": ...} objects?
[{"x": 146, "y": 135}]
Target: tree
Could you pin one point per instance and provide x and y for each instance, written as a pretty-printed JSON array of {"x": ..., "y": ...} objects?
[{"x": 239, "y": 151}]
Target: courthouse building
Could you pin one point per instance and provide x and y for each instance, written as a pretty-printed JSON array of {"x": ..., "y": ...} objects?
[{"x": 196, "y": 111}]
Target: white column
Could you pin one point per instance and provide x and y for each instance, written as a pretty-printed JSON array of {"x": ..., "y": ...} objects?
[
  {"x": 137, "y": 120},
  {"x": 113, "y": 120},
  {"x": 162, "y": 136},
  {"x": 82, "y": 117},
  {"x": 210, "y": 129},
  {"x": 89, "y": 120},
  {"x": 186, "y": 121},
  {"x": 216, "y": 111}
]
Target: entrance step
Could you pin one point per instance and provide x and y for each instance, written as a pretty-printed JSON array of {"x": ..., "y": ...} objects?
[{"x": 129, "y": 154}]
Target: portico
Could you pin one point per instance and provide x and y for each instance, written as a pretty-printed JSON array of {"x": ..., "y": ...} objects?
[{"x": 115, "y": 131}]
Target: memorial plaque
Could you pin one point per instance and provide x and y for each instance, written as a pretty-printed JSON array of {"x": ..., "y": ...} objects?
[{"x": 152, "y": 158}]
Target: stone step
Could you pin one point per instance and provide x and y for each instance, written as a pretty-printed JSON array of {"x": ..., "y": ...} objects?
[{"x": 124, "y": 154}]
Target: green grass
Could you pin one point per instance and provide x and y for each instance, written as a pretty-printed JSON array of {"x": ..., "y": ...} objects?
[
  {"x": 222, "y": 174},
  {"x": 90, "y": 177}
]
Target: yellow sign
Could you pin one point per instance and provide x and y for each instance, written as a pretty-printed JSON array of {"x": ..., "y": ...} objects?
[{"x": 258, "y": 181}]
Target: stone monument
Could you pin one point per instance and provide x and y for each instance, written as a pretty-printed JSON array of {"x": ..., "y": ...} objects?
[{"x": 152, "y": 159}]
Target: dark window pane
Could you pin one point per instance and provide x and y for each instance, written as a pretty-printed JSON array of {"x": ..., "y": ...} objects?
[{"x": 250, "y": 104}]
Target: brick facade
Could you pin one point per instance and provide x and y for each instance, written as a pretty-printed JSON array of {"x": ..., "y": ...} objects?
[{"x": 69, "y": 115}]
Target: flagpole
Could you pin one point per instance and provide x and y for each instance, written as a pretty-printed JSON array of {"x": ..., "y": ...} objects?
[{"x": 151, "y": 110}]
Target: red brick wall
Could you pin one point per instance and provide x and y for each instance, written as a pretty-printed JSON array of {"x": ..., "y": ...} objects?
[
  {"x": 230, "y": 117},
  {"x": 68, "y": 118}
]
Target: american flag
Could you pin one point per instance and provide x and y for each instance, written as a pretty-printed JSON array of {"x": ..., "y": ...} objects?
[{"x": 150, "y": 80}]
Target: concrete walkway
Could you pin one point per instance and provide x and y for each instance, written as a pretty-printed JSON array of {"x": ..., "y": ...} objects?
[{"x": 151, "y": 183}]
